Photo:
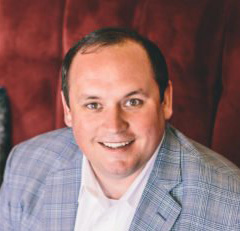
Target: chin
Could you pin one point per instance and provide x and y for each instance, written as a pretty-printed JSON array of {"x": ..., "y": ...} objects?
[{"x": 121, "y": 170}]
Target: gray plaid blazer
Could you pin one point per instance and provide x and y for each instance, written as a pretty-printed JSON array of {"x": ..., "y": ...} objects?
[{"x": 190, "y": 187}]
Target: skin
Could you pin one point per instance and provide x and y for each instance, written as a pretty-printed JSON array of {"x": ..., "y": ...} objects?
[{"x": 114, "y": 99}]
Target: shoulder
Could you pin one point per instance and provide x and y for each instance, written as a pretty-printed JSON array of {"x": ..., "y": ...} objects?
[
  {"x": 47, "y": 149},
  {"x": 209, "y": 185},
  {"x": 32, "y": 161},
  {"x": 201, "y": 163},
  {"x": 30, "y": 170}
]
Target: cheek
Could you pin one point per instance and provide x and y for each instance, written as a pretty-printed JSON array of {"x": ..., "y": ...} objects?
[
  {"x": 149, "y": 128},
  {"x": 84, "y": 136},
  {"x": 148, "y": 120},
  {"x": 83, "y": 127},
  {"x": 83, "y": 121}
]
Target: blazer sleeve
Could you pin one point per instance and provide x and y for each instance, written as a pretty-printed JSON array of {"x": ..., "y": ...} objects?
[{"x": 10, "y": 209}]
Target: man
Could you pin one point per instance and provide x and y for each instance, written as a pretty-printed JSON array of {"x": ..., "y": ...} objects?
[{"x": 118, "y": 165}]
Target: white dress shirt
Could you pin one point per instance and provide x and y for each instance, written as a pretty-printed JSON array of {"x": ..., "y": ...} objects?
[{"x": 96, "y": 212}]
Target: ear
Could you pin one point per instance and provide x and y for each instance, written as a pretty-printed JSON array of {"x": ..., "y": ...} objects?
[
  {"x": 167, "y": 102},
  {"x": 67, "y": 112}
]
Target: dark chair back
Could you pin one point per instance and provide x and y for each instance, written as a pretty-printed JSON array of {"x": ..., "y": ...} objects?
[{"x": 4, "y": 130}]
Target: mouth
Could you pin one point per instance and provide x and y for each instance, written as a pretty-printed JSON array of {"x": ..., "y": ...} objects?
[{"x": 116, "y": 145}]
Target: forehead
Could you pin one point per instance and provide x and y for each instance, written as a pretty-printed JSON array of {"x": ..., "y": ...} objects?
[
  {"x": 121, "y": 66},
  {"x": 123, "y": 54}
]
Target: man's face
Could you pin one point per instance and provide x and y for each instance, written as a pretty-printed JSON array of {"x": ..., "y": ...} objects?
[{"x": 115, "y": 110}]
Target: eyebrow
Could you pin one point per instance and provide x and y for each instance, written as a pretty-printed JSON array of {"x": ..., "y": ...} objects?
[
  {"x": 90, "y": 97},
  {"x": 139, "y": 91},
  {"x": 136, "y": 92}
]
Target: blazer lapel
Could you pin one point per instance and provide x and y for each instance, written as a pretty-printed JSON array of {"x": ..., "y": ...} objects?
[
  {"x": 61, "y": 199},
  {"x": 158, "y": 209}
]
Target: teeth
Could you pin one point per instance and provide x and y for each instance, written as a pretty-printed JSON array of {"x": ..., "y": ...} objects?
[{"x": 117, "y": 145}]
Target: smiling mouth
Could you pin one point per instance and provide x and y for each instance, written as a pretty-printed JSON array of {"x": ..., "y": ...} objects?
[{"x": 116, "y": 145}]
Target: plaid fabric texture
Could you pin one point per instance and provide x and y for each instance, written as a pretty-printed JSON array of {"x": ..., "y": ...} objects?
[{"x": 191, "y": 188}]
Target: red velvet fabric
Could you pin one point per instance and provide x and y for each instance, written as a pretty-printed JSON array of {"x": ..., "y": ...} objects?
[
  {"x": 30, "y": 54},
  {"x": 200, "y": 40},
  {"x": 226, "y": 133}
]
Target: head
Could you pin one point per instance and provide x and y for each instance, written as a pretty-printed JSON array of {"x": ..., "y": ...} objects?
[
  {"x": 116, "y": 97},
  {"x": 112, "y": 36}
]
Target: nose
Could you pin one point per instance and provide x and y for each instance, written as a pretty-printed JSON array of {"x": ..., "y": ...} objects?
[{"x": 115, "y": 120}]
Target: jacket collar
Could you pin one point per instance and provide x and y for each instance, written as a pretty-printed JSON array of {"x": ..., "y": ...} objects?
[
  {"x": 62, "y": 188},
  {"x": 158, "y": 209}
]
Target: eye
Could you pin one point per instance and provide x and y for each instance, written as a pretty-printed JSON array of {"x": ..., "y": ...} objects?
[
  {"x": 133, "y": 102},
  {"x": 93, "y": 106}
]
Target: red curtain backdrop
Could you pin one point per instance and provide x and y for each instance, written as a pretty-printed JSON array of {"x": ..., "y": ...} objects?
[{"x": 200, "y": 40}]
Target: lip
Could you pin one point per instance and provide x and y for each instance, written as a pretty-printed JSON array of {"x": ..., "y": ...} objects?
[{"x": 124, "y": 147}]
